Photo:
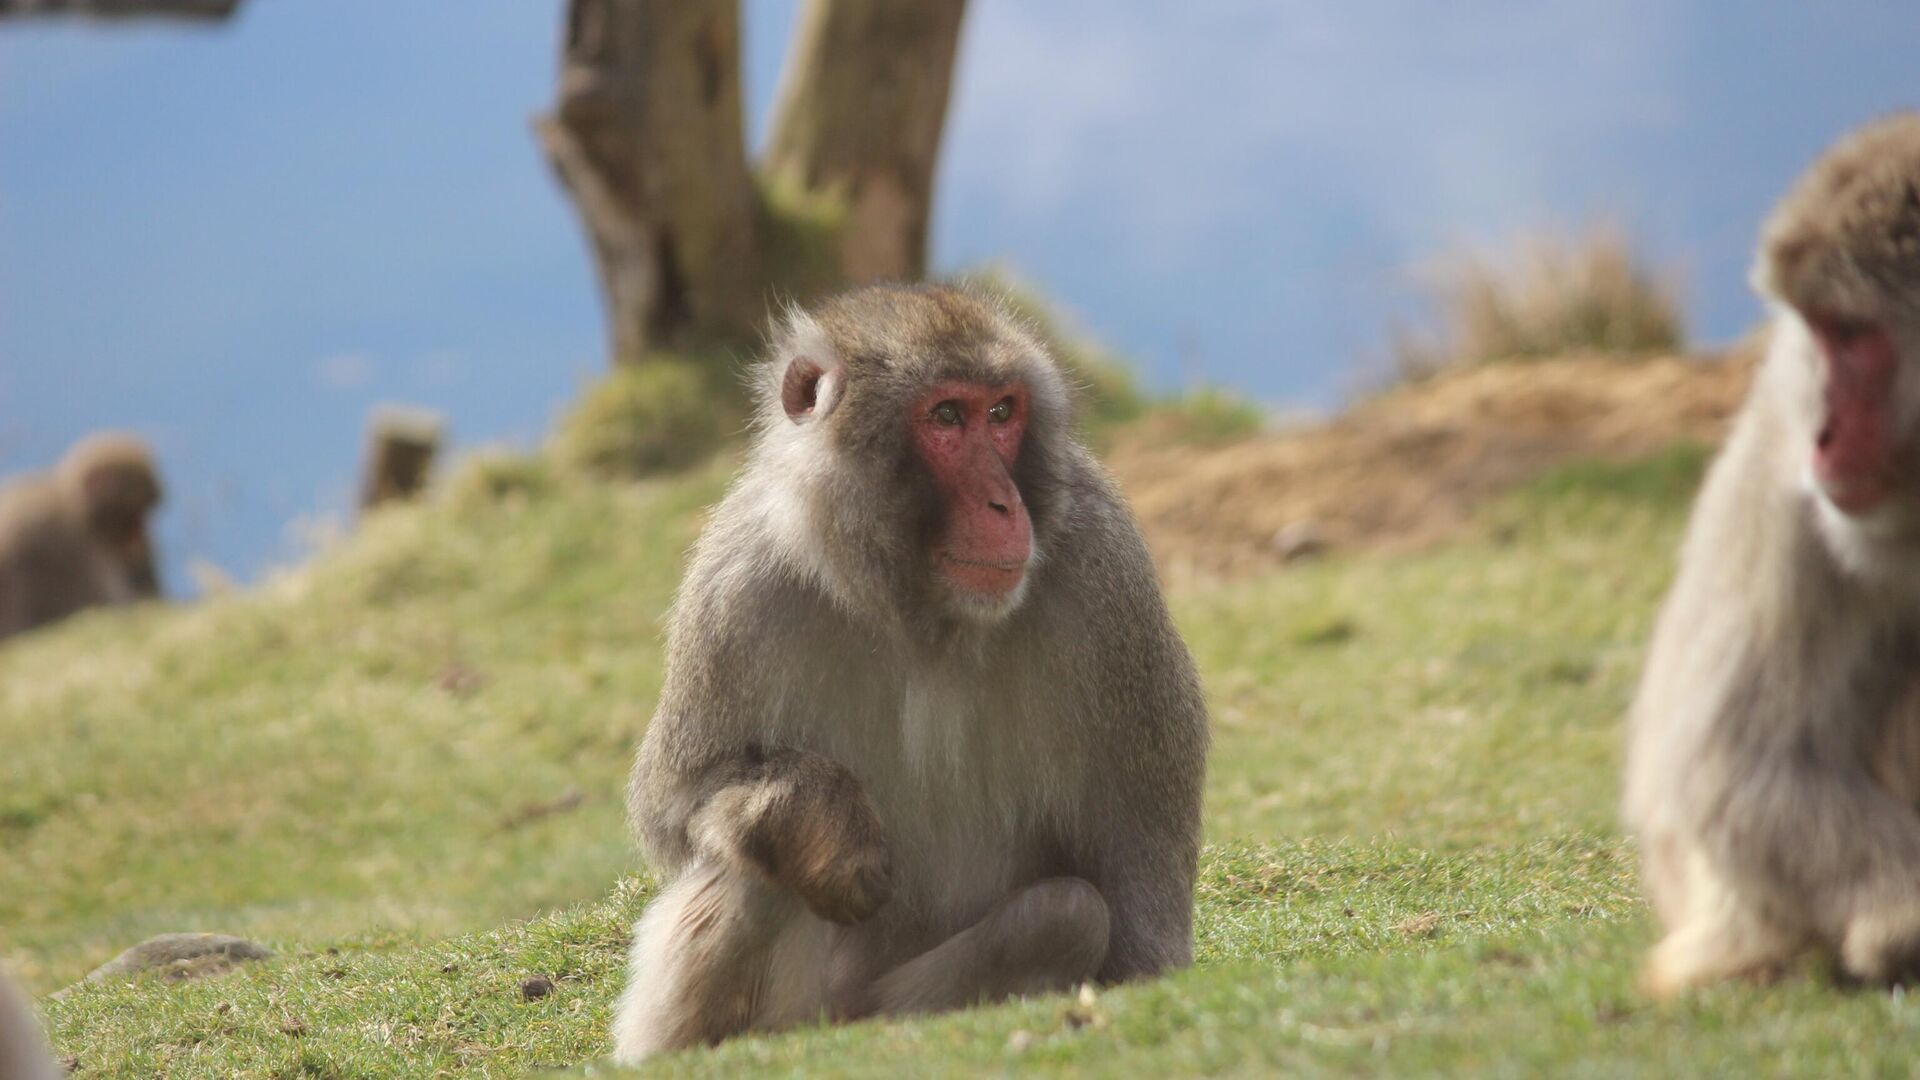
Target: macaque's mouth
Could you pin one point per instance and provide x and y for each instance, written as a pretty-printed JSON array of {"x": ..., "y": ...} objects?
[
  {"x": 1851, "y": 489},
  {"x": 1854, "y": 452},
  {"x": 993, "y": 577}
]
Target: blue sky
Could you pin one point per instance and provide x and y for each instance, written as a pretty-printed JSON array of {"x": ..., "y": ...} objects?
[{"x": 236, "y": 241}]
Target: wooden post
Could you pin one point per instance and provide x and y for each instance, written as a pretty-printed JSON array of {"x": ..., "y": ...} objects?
[{"x": 401, "y": 446}]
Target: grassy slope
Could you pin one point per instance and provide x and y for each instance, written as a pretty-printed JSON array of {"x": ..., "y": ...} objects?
[
  {"x": 289, "y": 764},
  {"x": 1414, "y": 863}
]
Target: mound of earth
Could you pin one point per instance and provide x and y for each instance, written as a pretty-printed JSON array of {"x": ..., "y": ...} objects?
[{"x": 1407, "y": 467}]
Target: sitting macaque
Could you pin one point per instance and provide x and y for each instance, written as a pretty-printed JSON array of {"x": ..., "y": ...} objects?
[
  {"x": 1774, "y": 765},
  {"x": 928, "y": 736},
  {"x": 77, "y": 537}
]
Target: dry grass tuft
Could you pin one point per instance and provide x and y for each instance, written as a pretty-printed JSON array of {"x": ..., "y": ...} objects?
[
  {"x": 644, "y": 419},
  {"x": 1552, "y": 295},
  {"x": 1408, "y": 468}
]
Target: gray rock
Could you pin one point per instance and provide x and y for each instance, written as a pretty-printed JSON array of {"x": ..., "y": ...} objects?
[
  {"x": 1300, "y": 540},
  {"x": 180, "y": 957}
]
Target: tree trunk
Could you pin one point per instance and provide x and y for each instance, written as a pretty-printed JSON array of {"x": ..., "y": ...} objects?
[
  {"x": 646, "y": 135},
  {"x": 185, "y": 9},
  {"x": 861, "y": 108}
]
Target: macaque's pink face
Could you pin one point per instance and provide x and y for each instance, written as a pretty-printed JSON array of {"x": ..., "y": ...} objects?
[
  {"x": 1857, "y": 454},
  {"x": 968, "y": 436}
]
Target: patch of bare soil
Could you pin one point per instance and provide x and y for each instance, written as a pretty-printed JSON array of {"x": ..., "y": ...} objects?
[{"x": 1407, "y": 468}]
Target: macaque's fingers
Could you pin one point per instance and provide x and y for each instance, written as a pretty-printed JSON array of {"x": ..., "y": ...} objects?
[
  {"x": 806, "y": 822},
  {"x": 834, "y": 856}
]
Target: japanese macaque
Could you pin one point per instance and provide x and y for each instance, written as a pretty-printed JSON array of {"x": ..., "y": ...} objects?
[
  {"x": 76, "y": 537},
  {"x": 23, "y": 1052},
  {"x": 928, "y": 736},
  {"x": 1773, "y": 769}
]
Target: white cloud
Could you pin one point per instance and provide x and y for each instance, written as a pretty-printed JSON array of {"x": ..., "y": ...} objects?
[
  {"x": 440, "y": 368},
  {"x": 1176, "y": 122},
  {"x": 344, "y": 371}
]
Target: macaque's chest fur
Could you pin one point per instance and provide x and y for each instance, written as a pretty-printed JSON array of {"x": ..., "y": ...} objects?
[
  {"x": 970, "y": 769},
  {"x": 1897, "y": 765}
]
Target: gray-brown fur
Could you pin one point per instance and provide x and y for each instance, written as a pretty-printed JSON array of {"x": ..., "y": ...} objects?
[
  {"x": 1772, "y": 767},
  {"x": 1847, "y": 235},
  {"x": 76, "y": 537},
  {"x": 868, "y": 800},
  {"x": 23, "y": 1051}
]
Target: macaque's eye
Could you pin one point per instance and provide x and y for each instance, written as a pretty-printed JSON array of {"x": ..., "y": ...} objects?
[
  {"x": 947, "y": 413},
  {"x": 1842, "y": 330},
  {"x": 1002, "y": 411}
]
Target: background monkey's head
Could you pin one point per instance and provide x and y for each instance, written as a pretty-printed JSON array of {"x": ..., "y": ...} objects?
[{"x": 1841, "y": 252}]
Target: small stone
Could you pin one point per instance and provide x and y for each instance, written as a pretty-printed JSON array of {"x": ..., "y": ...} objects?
[
  {"x": 1423, "y": 925},
  {"x": 566, "y": 802},
  {"x": 535, "y": 988},
  {"x": 181, "y": 957},
  {"x": 1300, "y": 540},
  {"x": 1085, "y": 1010},
  {"x": 460, "y": 680},
  {"x": 293, "y": 1026}
]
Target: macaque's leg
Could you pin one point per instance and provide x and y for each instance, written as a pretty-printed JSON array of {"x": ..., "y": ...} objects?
[
  {"x": 722, "y": 950},
  {"x": 1046, "y": 937},
  {"x": 1716, "y": 935}
]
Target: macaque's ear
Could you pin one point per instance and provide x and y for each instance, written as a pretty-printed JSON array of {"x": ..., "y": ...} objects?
[{"x": 808, "y": 390}]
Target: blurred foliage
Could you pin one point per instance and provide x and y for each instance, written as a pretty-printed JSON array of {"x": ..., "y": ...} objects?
[
  {"x": 1551, "y": 295},
  {"x": 1670, "y": 476},
  {"x": 662, "y": 414},
  {"x": 495, "y": 475},
  {"x": 1204, "y": 415},
  {"x": 799, "y": 234}
]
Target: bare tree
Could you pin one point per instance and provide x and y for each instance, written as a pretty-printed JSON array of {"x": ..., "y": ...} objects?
[
  {"x": 861, "y": 111},
  {"x": 647, "y": 137},
  {"x": 184, "y": 9}
]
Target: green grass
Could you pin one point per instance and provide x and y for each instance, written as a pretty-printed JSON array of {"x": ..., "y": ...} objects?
[
  {"x": 1413, "y": 861},
  {"x": 664, "y": 414},
  {"x": 344, "y": 748}
]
